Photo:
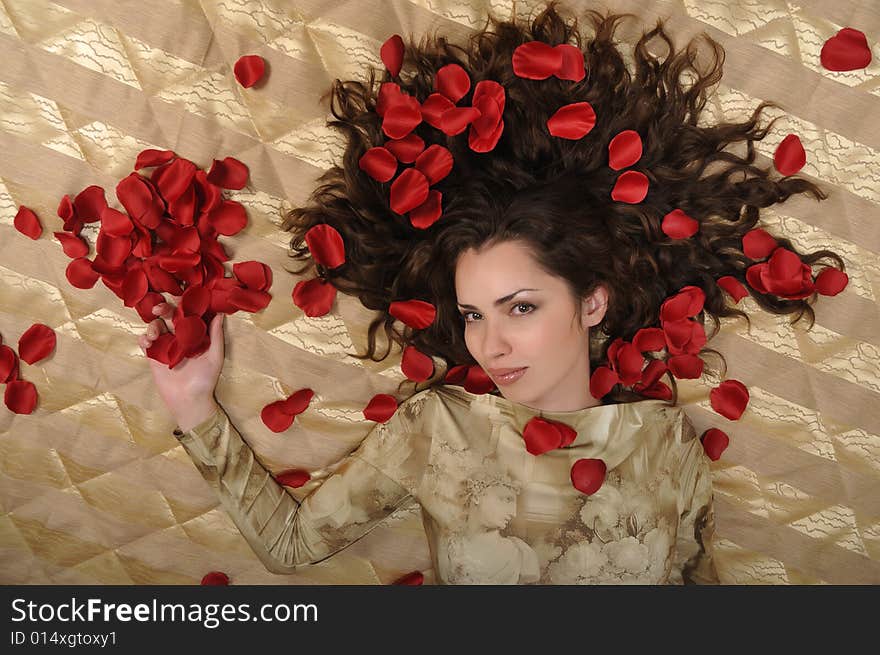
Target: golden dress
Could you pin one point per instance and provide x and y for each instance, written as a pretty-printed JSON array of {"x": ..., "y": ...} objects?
[{"x": 493, "y": 513}]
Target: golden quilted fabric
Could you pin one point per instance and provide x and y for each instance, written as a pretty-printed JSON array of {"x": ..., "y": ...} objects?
[{"x": 93, "y": 485}]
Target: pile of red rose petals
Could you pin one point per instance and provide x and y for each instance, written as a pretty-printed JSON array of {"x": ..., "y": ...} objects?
[
  {"x": 34, "y": 345},
  {"x": 164, "y": 240}
]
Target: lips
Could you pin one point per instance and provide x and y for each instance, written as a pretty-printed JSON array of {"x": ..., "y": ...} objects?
[{"x": 495, "y": 372}]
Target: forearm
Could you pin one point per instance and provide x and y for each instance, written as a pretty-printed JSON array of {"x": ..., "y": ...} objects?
[{"x": 191, "y": 414}]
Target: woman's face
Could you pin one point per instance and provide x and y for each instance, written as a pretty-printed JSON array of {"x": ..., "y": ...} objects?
[{"x": 536, "y": 329}]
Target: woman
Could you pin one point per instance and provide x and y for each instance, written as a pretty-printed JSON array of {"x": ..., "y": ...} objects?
[{"x": 558, "y": 234}]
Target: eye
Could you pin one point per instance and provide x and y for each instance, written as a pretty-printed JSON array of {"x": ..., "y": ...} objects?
[{"x": 530, "y": 306}]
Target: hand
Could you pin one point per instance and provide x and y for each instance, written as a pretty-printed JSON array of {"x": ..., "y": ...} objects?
[{"x": 188, "y": 389}]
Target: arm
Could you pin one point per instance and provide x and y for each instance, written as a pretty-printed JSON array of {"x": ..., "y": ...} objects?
[
  {"x": 694, "y": 561},
  {"x": 284, "y": 533}
]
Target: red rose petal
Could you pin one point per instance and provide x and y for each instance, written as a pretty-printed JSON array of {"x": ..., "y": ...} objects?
[
  {"x": 433, "y": 108},
  {"x": 80, "y": 273},
  {"x": 228, "y": 218},
  {"x": 294, "y": 478},
  {"x": 379, "y": 163},
  {"x": 174, "y": 178},
  {"x": 36, "y": 343},
  {"x": 228, "y": 173},
  {"x": 73, "y": 246},
  {"x": 178, "y": 262},
  {"x": 587, "y": 475},
  {"x": 215, "y": 579},
  {"x": 315, "y": 297},
  {"x": 733, "y": 287},
  {"x": 685, "y": 367},
  {"x": 831, "y": 281},
  {"x": 631, "y": 187},
  {"x": 66, "y": 210},
  {"x": 417, "y": 314},
  {"x": 429, "y": 212},
  {"x": 145, "y": 306},
  {"x": 455, "y": 121},
  {"x": 572, "y": 66},
  {"x": 249, "y": 300},
  {"x": 408, "y": 191},
  {"x": 196, "y": 301},
  {"x": 275, "y": 418},
  {"x": 89, "y": 203},
  {"x": 490, "y": 116},
  {"x": 20, "y": 396},
  {"x": 789, "y": 157},
  {"x": 729, "y": 399},
  {"x": 190, "y": 331},
  {"x": 649, "y": 339},
  {"x": 678, "y": 225},
  {"x": 135, "y": 196},
  {"x": 416, "y": 365},
  {"x": 541, "y": 436},
  {"x": 714, "y": 443},
  {"x": 8, "y": 364},
  {"x": 380, "y": 408},
  {"x": 414, "y": 579},
  {"x": 134, "y": 287},
  {"x": 629, "y": 364},
  {"x": 653, "y": 372},
  {"x": 658, "y": 390},
  {"x": 452, "y": 81},
  {"x": 326, "y": 245},
  {"x": 689, "y": 301},
  {"x": 758, "y": 244},
  {"x": 536, "y": 60},
  {"x": 477, "y": 381},
  {"x": 115, "y": 223},
  {"x": 254, "y": 275},
  {"x": 845, "y": 51},
  {"x": 389, "y": 95},
  {"x": 161, "y": 347},
  {"x": 602, "y": 381},
  {"x": 456, "y": 374},
  {"x": 435, "y": 163},
  {"x": 572, "y": 121},
  {"x": 406, "y": 149},
  {"x": 391, "y": 53},
  {"x": 298, "y": 401},
  {"x": 249, "y": 70},
  {"x": 401, "y": 118},
  {"x": 27, "y": 223},
  {"x": 152, "y": 157},
  {"x": 625, "y": 149}
]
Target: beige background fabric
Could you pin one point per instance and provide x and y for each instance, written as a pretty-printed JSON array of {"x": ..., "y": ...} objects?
[{"x": 93, "y": 486}]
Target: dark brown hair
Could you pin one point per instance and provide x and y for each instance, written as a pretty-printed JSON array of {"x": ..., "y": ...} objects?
[{"x": 553, "y": 193}]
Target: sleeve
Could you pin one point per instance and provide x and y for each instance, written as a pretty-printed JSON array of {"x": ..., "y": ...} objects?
[
  {"x": 285, "y": 533},
  {"x": 694, "y": 561}
]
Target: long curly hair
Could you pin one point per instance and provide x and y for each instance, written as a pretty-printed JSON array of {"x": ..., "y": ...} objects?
[{"x": 554, "y": 194}]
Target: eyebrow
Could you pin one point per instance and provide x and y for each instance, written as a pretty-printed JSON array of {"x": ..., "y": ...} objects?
[{"x": 500, "y": 301}]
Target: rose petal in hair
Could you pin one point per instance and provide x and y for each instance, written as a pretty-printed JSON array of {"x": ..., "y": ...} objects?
[
  {"x": 416, "y": 365},
  {"x": 326, "y": 245},
  {"x": 625, "y": 149},
  {"x": 655, "y": 369},
  {"x": 689, "y": 301},
  {"x": 572, "y": 121},
  {"x": 572, "y": 64},
  {"x": 315, "y": 297},
  {"x": 733, "y": 287},
  {"x": 685, "y": 367},
  {"x": 455, "y": 121},
  {"x": 391, "y": 53},
  {"x": 628, "y": 363},
  {"x": 417, "y": 314},
  {"x": 789, "y": 156},
  {"x": 379, "y": 163},
  {"x": 758, "y": 244},
  {"x": 784, "y": 275},
  {"x": 649, "y": 339},
  {"x": 452, "y": 81},
  {"x": 587, "y": 475},
  {"x": 536, "y": 60},
  {"x": 402, "y": 117},
  {"x": 714, "y": 442},
  {"x": 831, "y": 281},
  {"x": 684, "y": 337},
  {"x": 845, "y": 51},
  {"x": 729, "y": 399},
  {"x": 429, "y": 212},
  {"x": 678, "y": 225},
  {"x": 381, "y": 408},
  {"x": 630, "y": 187},
  {"x": 433, "y": 108},
  {"x": 389, "y": 95},
  {"x": 408, "y": 191},
  {"x": 27, "y": 223},
  {"x": 435, "y": 163},
  {"x": 602, "y": 381},
  {"x": 407, "y": 149}
]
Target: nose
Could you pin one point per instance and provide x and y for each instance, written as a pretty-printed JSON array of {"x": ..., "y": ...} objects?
[{"x": 495, "y": 342}]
